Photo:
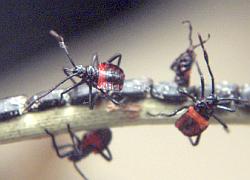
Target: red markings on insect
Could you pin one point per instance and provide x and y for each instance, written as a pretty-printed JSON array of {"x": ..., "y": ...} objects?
[
  {"x": 191, "y": 123},
  {"x": 104, "y": 77},
  {"x": 98, "y": 139},
  {"x": 111, "y": 77},
  {"x": 92, "y": 139}
]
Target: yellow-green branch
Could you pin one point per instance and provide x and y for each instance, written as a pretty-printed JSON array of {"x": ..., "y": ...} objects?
[{"x": 31, "y": 125}]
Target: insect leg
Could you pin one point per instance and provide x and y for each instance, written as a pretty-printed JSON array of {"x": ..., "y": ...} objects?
[
  {"x": 45, "y": 94},
  {"x": 65, "y": 146},
  {"x": 168, "y": 115},
  {"x": 234, "y": 100},
  {"x": 186, "y": 94},
  {"x": 106, "y": 95},
  {"x": 114, "y": 57},
  {"x": 66, "y": 72},
  {"x": 56, "y": 147},
  {"x": 225, "y": 108},
  {"x": 73, "y": 138},
  {"x": 221, "y": 122},
  {"x": 91, "y": 103},
  {"x": 72, "y": 134},
  {"x": 107, "y": 156},
  {"x": 69, "y": 89},
  {"x": 79, "y": 171},
  {"x": 196, "y": 142}
]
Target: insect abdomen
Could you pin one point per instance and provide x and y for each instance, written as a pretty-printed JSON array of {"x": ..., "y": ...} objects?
[
  {"x": 191, "y": 123},
  {"x": 111, "y": 77}
]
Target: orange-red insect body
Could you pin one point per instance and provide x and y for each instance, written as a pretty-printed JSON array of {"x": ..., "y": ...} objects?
[
  {"x": 110, "y": 77},
  {"x": 192, "y": 123}
]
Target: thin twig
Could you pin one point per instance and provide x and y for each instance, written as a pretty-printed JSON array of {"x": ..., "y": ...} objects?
[{"x": 31, "y": 125}]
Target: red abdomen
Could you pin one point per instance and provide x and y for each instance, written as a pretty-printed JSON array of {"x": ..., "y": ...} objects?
[
  {"x": 111, "y": 77},
  {"x": 97, "y": 139},
  {"x": 191, "y": 123}
]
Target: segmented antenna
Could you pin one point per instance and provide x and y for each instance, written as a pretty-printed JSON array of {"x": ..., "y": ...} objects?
[
  {"x": 201, "y": 79},
  {"x": 62, "y": 45},
  {"x": 207, "y": 62},
  {"x": 56, "y": 35},
  {"x": 190, "y": 32},
  {"x": 190, "y": 35},
  {"x": 203, "y": 42}
]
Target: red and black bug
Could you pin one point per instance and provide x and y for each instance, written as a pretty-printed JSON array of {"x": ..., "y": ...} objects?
[
  {"x": 183, "y": 63},
  {"x": 195, "y": 120},
  {"x": 104, "y": 76},
  {"x": 95, "y": 141}
]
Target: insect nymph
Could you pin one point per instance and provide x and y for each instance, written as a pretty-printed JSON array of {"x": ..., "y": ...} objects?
[
  {"x": 95, "y": 141},
  {"x": 195, "y": 120},
  {"x": 182, "y": 65},
  {"x": 104, "y": 76}
]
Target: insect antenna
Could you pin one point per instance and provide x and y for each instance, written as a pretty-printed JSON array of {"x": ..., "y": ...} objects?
[
  {"x": 48, "y": 92},
  {"x": 201, "y": 79},
  {"x": 62, "y": 45},
  {"x": 207, "y": 62},
  {"x": 79, "y": 171},
  {"x": 204, "y": 41},
  {"x": 190, "y": 35},
  {"x": 190, "y": 32}
]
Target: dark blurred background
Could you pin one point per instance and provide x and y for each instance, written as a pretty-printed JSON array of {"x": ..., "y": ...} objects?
[{"x": 25, "y": 24}]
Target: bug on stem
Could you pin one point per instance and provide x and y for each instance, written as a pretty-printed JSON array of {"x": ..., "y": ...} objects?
[
  {"x": 223, "y": 89},
  {"x": 183, "y": 63},
  {"x": 195, "y": 120},
  {"x": 169, "y": 91},
  {"x": 95, "y": 141},
  {"x": 105, "y": 76}
]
